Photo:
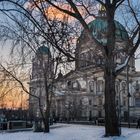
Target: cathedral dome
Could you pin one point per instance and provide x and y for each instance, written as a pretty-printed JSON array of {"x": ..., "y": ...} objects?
[
  {"x": 43, "y": 50},
  {"x": 99, "y": 30}
]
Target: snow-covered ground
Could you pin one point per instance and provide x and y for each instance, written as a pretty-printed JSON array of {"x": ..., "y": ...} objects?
[{"x": 72, "y": 132}]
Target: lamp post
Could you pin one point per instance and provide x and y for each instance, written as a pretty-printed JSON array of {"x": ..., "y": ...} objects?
[
  {"x": 128, "y": 95},
  {"x": 21, "y": 105},
  {"x": 119, "y": 108}
]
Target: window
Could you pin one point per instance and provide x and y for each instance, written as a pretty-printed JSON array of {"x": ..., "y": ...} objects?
[
  {"x": 117, "y": 102},
  {"x": 90, "y": 102},
  {"x": 117, "y": 87},
  {"x": 100, "y": 101},
  {"x": 99, "y": 114},
  {"x": 124, "y": 102},
  {"x": 82, "y": 60},
  {"x": 69, "y": 84},
  {"x": 137, "y": 86},
  {"x": 99, "y": 61},
  {"x": 91, "y": 86},
  {"x": 85, "y": 59},
  {"x": 124, "y": 87},
  {"x": 75, "y": 85},
  {"x": 80, "y": 102},
  {"x": 100, "y": 86},
  {"x": 137, "y": 102}
]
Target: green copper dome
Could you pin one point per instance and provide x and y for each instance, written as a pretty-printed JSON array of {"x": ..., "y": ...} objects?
[
  {"x": 43, "y": 50},
  {"x": 99, "y": 30}
]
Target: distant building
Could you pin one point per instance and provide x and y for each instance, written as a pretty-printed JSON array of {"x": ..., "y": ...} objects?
[
  {"x": 80, "y": 93},
  {"x": 41, "y": 65}
]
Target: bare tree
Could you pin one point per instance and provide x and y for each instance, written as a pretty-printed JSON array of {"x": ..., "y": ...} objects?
[
  {"x": 29, "y": 38},
  {"x": 52, "y": 36},
  {"x": 111, "y": 70},
  {"x": 45, "y": 77}
]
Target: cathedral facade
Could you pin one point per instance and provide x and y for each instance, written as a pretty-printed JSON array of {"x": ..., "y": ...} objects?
[{"x": 79, "y": 95}]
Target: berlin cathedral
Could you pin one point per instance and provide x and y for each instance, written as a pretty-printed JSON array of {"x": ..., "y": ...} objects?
[{"x": 79, "y": 94}]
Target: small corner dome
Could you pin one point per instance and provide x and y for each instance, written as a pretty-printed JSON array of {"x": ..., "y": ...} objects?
[
  {"x": 43, "y": 50},
  {"x": 99, "y": 30}
]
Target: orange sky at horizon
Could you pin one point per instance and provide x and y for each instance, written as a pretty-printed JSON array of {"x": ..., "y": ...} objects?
[
  {"x": 55, "y": 14},
  {"x": 13, "y": 101},
  {"x": 12, "y": 96}
]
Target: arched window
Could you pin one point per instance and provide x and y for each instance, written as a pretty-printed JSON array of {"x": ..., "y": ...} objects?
[
  {"x": 75, "y": 85},
  {"x": 91, "y": 86},
  {"x": 117, "y": 87},
  {"x": 99, "y": 61},
  {"x": 100, "y": 86},
  {"x": 69, "y": 84},
  {"x": 137, "y": 102},
  {"x": 80, "y": 102},
  {"x": 100, "y": 102},
  {"x": 90, "y": 102},
  {"x": 124, "y": 87}
]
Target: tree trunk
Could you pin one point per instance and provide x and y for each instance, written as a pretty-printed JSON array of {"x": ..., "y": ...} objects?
[
  {"x": 111, "y": 118},
  {"x": 46, "y": 123},
  {"x": 45, "y": 118},
  {"x": 47, "y": 115}
]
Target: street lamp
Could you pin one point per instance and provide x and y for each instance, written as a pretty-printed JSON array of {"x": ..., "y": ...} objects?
[
  {"x": 119, "y": 108},
  {"x": 21, "y": 117},
  {"x": 128, "y": 94}
]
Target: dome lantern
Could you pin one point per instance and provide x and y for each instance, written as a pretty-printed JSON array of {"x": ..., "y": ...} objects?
[{"x": 43, "y": 50}]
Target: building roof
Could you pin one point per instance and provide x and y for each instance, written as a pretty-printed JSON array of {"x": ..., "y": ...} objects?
[{"x": 99, "y": 30}]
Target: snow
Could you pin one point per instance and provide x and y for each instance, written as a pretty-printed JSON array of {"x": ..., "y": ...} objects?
[{"x": 72, "y": 132}]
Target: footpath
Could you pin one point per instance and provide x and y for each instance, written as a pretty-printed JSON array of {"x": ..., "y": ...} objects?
[{"x": 31, "y": 129}]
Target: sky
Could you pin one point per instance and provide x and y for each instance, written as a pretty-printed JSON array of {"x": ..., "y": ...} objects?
[{"x": 6, "y": 48}]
